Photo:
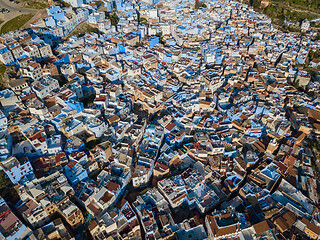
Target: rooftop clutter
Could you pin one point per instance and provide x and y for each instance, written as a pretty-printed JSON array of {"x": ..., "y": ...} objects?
[{"x": 165, "y": 120}]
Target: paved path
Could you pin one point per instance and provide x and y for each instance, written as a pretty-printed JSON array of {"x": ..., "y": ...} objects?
[
  {"x": 15, "y": 7},
  {"x": 15, "y": 10}
]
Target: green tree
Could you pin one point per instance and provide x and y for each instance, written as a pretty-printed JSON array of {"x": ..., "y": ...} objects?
[
  {"x": 82, "y": 71},
  {"x": 98, "y": 4},
  {"x": 114, "y": 19},
  {"x": 255, "y": 3},
  {"x": 139, "y": 44},
  {"x": 3, "y": 181},
  {"x": 143, "y": 21},
  {"x": 93, "y": 143},
  {"x": 161, "y": 40},
  {"x": 105, "y": 79},
  {"x": 199, "y": 4},
  {"x": 314, "y": 55}
]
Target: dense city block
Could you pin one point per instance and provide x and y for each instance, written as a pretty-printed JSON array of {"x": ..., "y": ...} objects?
[{"x": 159, "y": 119}]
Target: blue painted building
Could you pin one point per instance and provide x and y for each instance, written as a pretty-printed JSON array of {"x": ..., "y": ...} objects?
[
  {"x": 153, "y": 41},
  {"x": 74, "y": 104}
]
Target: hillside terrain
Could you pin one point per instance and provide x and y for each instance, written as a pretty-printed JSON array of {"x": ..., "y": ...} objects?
[{"x": 288, "y": 14}]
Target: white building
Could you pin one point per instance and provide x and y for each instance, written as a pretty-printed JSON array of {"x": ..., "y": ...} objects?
[
  {"x": 45, "y": 50},
  {"x": 96, "y": 17},
  {"x": 305, "y": 25},
  {"x": 141, "y": 176},
  {"x": 68, "y": 69},
  {"x": 15, "y": 170},
  {"x": 4, "y": 153},
  {"x": 33, "y": 70},
  {"x": 6, "y": 56},
  {"x": 3, "y": 122},
  {"x": 112, "y": 74},
  {"x": 153, "y": 13},
  {"x": 77, "y": 89},
  {"x": 54, "y": 144},
  {"x": 11, "y": 228},
  {"x": 33, "y": 213},
  {"x": 97, "y": 126},
  {"x": 44, "y": 87},
  {"x": 75, "y": 172},
  {"x": 75, "y": 3}
]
